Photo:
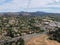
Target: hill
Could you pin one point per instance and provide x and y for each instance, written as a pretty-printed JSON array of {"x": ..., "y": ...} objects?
[{"x": 38, "y": 13}]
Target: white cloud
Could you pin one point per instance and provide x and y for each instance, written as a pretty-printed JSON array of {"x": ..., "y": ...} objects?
[
  {"x": 57, "y": 0},
  {"x": 14, "y": 5},
  {"x": 19, "y": 5},
  {"x": 44, "y": 3},
  {"x": 39, "y": 3}
]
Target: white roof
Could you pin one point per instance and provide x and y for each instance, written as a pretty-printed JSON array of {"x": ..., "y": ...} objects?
[
  {"x": 55, "y": 24},
  {"x": 52, "y": 24}
]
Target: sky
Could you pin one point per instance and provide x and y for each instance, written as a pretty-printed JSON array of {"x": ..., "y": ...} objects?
[{"x": 52, "y": 6}]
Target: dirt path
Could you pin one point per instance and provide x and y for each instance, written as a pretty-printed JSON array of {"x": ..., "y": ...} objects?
[{"x": 41, "y": 40}]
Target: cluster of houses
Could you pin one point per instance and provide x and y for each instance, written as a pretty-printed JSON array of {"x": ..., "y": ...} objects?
[
  {"x": 50, "y": 24},
  {"x": 44, "y": 24}
]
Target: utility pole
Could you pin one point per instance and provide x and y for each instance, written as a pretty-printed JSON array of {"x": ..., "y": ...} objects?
[{"x": 28, "y": 4}]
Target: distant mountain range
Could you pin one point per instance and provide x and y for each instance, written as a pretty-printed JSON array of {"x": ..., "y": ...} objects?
[{"x": 38, "y": 13}]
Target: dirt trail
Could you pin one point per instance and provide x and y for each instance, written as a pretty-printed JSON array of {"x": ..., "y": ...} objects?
[{"x": 41, "y": 40}]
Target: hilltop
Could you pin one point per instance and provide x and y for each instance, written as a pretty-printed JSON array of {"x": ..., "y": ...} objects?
[{"x": 42, "y": 40}]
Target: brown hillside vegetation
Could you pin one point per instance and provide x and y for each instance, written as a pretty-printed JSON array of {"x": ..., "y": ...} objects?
[{"x": 41, "y": 40}]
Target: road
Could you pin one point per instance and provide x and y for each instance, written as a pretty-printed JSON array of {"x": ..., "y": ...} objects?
[
  {"x": 29, "y": 36},
  {"x": 25, "y": 37}
]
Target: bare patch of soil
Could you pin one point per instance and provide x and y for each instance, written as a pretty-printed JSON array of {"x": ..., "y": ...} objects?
[{"x": 41, "y": 40}]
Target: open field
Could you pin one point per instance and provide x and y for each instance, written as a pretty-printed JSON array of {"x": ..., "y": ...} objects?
[{"x": 41, "y": 40}]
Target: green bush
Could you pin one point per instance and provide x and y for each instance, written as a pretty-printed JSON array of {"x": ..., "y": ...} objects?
[{"x": 55, "y": 35}]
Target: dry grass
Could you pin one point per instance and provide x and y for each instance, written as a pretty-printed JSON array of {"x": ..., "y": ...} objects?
[{"x": 41, "y": 40}]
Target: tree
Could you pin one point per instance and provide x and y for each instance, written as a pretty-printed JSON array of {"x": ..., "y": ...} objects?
[
  {"x": 55, "y": 35},
  {"x": 20, "y": 41},
  {"x": 10, "y": 32}
]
